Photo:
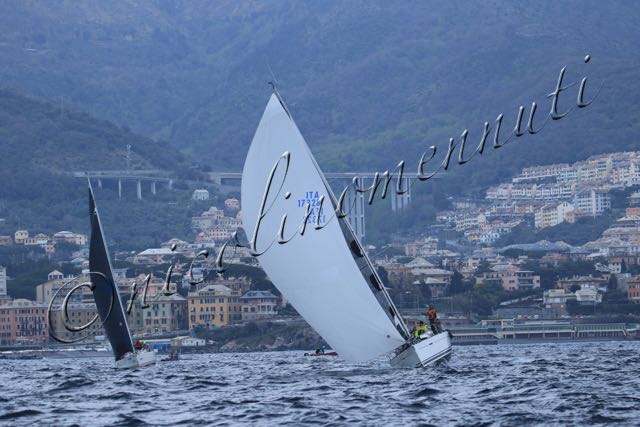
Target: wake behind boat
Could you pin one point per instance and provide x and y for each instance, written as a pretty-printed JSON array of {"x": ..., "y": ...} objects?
[
  {"x": 107, "y": 299},
  {"x": 324, "y": 273}
]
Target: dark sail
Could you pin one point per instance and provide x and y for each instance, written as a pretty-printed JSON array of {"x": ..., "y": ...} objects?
[{"x": 105, "y": 291}]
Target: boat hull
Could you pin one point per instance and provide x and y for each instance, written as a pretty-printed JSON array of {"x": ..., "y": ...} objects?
[
  {"x": 136, "y": 360},
  {"x": 329, "y": 353},
  {"x": 424, "y": 353}
]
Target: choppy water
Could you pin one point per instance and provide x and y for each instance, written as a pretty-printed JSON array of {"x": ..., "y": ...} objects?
[{"x": 567, "y": 384}]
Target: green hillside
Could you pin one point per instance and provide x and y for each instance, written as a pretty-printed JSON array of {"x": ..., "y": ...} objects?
[
  {"x": 369, "y": 83},
  {"x": 40, "y": 146}
]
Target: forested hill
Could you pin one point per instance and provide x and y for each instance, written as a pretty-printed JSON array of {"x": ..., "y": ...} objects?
[
  {"x": 40, "y": 144},
  {"x": 369, "y": 83},
  {"x": 37, "y": 134}
]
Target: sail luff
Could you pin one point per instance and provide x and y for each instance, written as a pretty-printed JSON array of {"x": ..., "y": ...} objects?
[
  {"x": 105, "y": 290},
  {"x": 350, "y": 235}
]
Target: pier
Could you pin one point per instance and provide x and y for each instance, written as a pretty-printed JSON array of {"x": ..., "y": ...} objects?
[{"x": 538, "y": 331}]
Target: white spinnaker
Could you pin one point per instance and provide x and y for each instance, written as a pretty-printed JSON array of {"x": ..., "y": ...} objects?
[{"x": 316, "y": 271}]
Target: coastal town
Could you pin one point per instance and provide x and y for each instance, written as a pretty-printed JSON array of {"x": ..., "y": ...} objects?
[{"x": 485, "y": 292}]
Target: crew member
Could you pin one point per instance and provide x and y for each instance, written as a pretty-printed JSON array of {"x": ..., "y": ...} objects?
[
  {"x": 138, "y": 345},
  {"x": 433, "y": 320},
  {"x": 420, "y": 329}
]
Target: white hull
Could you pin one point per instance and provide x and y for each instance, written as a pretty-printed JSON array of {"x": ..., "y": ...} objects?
[
  {"x": 424, "y": 353},
  {"x": 136, "y": 360}
]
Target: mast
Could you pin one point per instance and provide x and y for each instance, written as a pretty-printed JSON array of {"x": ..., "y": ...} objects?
[
  {"x": 359, "y": 254},
  {"x": 105, "y": 290}
]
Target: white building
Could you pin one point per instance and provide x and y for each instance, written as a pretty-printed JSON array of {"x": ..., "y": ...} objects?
[
  {"x": 592, "y": 202},
  {"x": 55, "y": 275},
  {"x": 588, "y": 295},
  {"x": 557, "y": 296},
  {"x": 541, "y": 172},
  {"x": 200, "y": 194},
  {"x": 550, "y": 215},
  {"x": 69, "y": 237},
  {"x": 3, "y": 282},
  {"x": 20, "y": 236}
]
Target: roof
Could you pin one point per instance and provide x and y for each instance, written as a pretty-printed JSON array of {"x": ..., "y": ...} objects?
[
  {"x": 213, "y": 288},
  {"x": 434, "y": 271},
  {"x": 156, "y": 251},
  {"x": 258, "y": 294},
  {"x": 165, "y": 298},
  {"x": 419, "y": 262}
]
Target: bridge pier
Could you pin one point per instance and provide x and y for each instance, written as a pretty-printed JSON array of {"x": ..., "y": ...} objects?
[
  {"x": 119, "y": 188},
  {"x": 400, "y": 201},
  {"x": 139, "y": 189},
  {"x": 354, "y": 208},
  {"x": 153, "y": 188}
]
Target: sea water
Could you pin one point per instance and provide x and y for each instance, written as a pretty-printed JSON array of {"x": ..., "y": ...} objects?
[{"x": 510, "y": 385}]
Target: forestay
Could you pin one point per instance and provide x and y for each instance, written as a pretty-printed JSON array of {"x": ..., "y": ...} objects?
[{"x": 324, "y": 273}]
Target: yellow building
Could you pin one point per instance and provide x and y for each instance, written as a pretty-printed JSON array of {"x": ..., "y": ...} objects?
[
  {"x": 165, "y": 314},
  {"x": 214, "y": 305}
]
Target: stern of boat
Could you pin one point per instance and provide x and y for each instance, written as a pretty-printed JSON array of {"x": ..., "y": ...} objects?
[
  {"x": 146, "y": 358},
  {"x": 424, "y": 353},
  {"x": 137, "y": 359},
  {"x": 128, "y": 361}
]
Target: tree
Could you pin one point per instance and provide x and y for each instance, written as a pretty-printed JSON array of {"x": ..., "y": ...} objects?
[
  {"x": 483, "y": 267},
  {"x": 458, "y": 284}
]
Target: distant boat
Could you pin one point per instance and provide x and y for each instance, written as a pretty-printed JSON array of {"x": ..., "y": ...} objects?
[
  {"x": 326, "y": 353},
  {"x": 107, "y": 299},
  {"x": 172, "y": 357},
  {"x": 325, "y": 274}
]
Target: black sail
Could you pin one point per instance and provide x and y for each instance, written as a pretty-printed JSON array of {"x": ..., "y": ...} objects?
[{"x": 105, "y": 291}]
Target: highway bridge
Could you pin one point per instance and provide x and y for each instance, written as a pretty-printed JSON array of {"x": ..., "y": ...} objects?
[
  {"x": 230, "y": 182},
  {"x": 151, "y": 176}
]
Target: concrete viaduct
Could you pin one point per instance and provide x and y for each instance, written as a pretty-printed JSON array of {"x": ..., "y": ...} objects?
[{"x": 152, "y": 177}]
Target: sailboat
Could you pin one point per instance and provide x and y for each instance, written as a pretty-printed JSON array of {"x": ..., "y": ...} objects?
[
  {"x": 324, "y": 271},
  {"x": 107, "y": 299}
]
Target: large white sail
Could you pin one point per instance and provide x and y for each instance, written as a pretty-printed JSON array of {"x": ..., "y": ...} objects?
[{"x": 324, "y": 273}]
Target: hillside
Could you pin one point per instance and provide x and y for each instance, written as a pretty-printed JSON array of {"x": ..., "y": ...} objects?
[
  {"x": 363, "y": 79},
  {"x": 40, "y": 145}
]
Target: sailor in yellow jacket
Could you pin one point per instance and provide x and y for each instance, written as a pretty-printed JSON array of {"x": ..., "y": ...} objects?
[{"x": 420, "y": 329}]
